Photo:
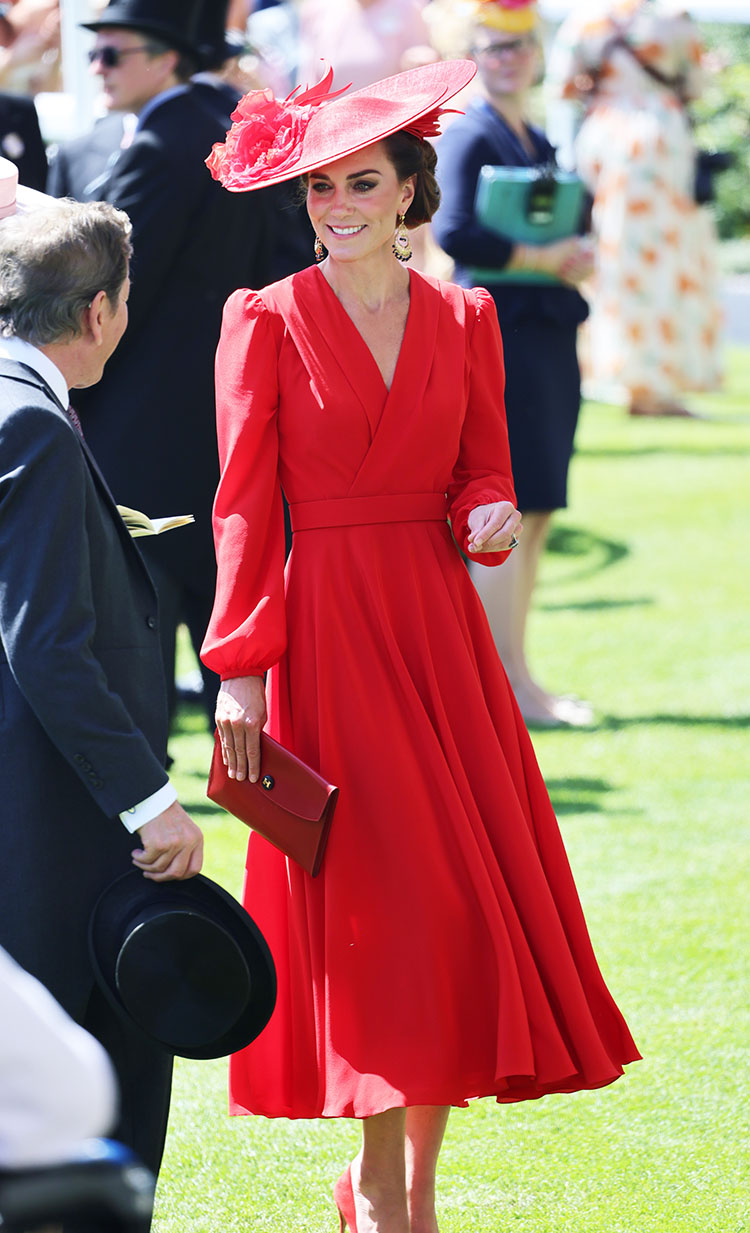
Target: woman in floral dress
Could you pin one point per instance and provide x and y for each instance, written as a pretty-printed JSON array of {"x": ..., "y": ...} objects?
[{"x": 653, "y": 333}]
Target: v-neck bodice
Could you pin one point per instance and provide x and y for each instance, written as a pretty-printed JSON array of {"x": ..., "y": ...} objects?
[
  {"x": 362, "y": 347},
  {"x": 355, "y": 427}
]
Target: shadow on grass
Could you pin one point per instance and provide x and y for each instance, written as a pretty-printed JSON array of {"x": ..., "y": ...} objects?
[
  {"x": 594, "y": 552},
  {"x": 598, "y": 605},
  {"x": 578, "y": 794},
  {"x": 694, "y": 449},
  {"x": 614, "y": 723}
]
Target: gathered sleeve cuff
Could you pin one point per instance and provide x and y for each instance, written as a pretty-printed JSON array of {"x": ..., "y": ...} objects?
[
  {"x": 247, "y": 631},
  {"x": 482, "y": 472}
]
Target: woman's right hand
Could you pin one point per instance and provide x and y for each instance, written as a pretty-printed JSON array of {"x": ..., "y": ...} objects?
[
  {"x": 571, "y": 260},
  {"x": 240, "y": 719}
]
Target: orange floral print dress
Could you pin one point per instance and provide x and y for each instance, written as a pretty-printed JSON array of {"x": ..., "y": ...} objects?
[{"x": 654, "y": 328}]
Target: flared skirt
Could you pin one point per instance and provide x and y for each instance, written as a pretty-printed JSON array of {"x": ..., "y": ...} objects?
[{"x": 441, "y": 954}]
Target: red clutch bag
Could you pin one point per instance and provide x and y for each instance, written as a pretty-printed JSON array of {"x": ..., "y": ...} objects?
[{"x": 290, "y": 805}]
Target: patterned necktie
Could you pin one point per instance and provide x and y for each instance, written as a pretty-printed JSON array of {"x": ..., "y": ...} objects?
[{"x": 73, "y": 417}]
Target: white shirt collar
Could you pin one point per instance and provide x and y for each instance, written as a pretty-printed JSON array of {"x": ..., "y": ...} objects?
[{"x": 26, "y": 353}]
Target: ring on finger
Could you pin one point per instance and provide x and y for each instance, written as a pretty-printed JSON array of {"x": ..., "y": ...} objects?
[{"x": 513, "y": 543}]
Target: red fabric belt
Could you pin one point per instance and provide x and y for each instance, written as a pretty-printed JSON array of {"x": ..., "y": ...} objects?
[{"x": 360, "y": 511}]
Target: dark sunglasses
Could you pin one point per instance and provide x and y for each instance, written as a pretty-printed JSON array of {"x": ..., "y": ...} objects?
[{"x": 111, "y": 56}]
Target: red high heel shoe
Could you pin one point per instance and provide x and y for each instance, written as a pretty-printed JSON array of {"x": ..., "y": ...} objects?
[{"x": 343, "y": 1197}]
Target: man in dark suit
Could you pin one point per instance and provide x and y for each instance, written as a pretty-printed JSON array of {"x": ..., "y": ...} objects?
[
  {"x": 151, "y": 421},
  {"x": 83, "y": 723},
  {"x": 292, "y": 239},
  {"x": 217, "y": 46},
  {"x": 21, "y": 139},
  {"x": 81, "y": 167}
]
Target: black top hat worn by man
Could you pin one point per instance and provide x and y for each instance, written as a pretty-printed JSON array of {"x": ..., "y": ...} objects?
[
  {"x": 82, "y": 706},
  {"x": 150, "y": 422}
]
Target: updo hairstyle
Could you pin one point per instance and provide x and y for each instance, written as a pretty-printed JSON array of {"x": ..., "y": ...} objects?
[{"x": 411, "y": 156}]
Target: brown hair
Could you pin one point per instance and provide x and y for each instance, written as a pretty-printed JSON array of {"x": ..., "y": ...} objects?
[
  {"x": 185, "y": 64},
  {"x": 411, "y": 156}
]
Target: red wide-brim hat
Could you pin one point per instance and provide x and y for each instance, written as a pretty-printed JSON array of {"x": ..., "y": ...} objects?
[{"x": 271, "y": 141}]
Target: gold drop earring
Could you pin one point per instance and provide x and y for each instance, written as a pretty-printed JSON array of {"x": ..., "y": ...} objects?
[
  {"x": 320, "y": 252},
  {"x": 401, "y": 243}
]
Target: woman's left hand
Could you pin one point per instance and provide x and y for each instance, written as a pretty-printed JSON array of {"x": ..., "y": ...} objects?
[{"x": 492, "y": 528}]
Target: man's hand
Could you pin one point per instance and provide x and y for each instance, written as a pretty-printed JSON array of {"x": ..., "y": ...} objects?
[{"x": 172, "y": 846}]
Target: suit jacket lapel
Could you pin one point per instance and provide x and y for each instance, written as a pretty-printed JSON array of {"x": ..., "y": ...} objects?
[{"x": 31, "y": 377}]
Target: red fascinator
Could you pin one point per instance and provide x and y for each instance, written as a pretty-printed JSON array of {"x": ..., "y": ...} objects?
[{"x": 271, "y": 141}]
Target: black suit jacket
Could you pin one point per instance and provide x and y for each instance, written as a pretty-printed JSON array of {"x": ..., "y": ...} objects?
[
  {"x": 80, "y": 168},
  {"x": 151, "y": 419},
  {"x": 21, "y": 139},
  {"x": 82, "y": 712},
  {"x": 219, "y": 96}
]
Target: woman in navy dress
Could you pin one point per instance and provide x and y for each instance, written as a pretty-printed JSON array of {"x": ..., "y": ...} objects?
[{"x": 539, "y": 321}]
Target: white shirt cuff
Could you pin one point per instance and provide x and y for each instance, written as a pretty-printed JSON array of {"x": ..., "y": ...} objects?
[{"x": 139, "y": 815}]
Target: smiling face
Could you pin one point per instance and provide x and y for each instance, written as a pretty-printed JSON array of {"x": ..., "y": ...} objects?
[{"x": 355, "y": 202}]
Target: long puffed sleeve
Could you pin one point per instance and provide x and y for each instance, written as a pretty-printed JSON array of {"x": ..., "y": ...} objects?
[
  {"x": 482, "y": 472},
  {"x": 247, "y": 630}
]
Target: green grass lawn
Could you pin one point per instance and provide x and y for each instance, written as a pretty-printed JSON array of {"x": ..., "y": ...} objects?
[{"x": 641, "y": 609}]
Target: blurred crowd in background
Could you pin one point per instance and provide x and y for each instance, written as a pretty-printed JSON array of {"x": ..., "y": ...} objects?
[{"x": 613, "y": 93}]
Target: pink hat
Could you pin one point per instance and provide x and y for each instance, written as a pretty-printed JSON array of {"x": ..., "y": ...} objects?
[
  {"x": 16, "y": 198},
  {"x": 271, "y": 141}
]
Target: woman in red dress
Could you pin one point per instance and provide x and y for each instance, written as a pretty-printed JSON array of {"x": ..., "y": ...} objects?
[{"x": 441, "y": 954}]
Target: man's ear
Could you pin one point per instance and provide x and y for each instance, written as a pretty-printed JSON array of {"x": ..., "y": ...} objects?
[{"x": 93, "y": 317}]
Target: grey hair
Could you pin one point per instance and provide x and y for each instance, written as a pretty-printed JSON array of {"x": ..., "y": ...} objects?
[{"x": 53, "y": 261}]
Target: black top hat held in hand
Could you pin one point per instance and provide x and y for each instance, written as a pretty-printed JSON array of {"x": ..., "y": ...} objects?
[
  {"x": 185, "y": 962},
  {"x": 173, "y": 21}
]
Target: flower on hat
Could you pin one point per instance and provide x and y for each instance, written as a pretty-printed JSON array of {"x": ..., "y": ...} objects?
[
  {"x": 266, "y": 135},
  {"x": 271, "y": 141}
]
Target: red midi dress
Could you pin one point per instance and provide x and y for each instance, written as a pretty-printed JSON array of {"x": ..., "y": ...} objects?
[{"x": 441, "y": 954}]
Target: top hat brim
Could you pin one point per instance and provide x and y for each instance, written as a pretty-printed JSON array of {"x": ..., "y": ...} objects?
[
  {"x": 183, "y": 961},
  {"x": 160, "y": 30},
  {"x": 351, "y": 122}
]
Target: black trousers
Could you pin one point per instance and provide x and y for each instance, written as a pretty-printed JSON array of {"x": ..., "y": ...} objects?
[
  {"x": 178, "y": 604},
  {"x": 144, "y": 1073}
]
